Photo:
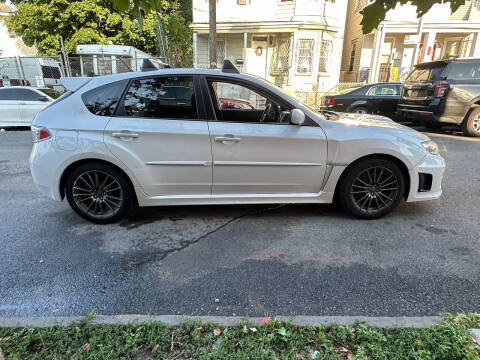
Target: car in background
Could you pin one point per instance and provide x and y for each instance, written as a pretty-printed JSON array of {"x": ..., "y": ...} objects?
[
  {"x": 379, "y": 99},
  {"x": 443, "y": 92},
  {"x": 227, "y": 103},
  {"x": 20, "y": 104}
]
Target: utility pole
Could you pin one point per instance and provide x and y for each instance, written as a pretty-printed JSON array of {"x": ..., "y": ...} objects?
[{"x": 212, "y": 32}]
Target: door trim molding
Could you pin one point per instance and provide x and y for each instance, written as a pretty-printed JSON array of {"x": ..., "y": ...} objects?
[{"x": 264, "y": 163}]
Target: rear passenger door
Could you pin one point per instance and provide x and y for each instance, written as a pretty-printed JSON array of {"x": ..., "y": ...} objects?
[
  {"x": 386, "y": 98},
  {"x": 31, "y": 103},
  {"x": 159, "y": 133},
  {"x": 10, "y": 112}
]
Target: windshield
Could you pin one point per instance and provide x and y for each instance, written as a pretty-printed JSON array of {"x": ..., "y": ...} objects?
[{"x": 52, "y": 93}]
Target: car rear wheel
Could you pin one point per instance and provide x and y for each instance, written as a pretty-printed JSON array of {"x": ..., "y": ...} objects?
[
  {"x": 471, "y": 125},
  {"x": 99, "y": 193},
  {"x": 361, "y": 110},
  {"x": 371, "y": 188}
]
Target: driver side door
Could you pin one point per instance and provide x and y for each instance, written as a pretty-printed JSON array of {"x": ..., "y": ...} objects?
[{"x": 251, "y": 156}]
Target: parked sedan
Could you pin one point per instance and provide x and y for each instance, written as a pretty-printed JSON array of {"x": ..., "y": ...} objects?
[
  {"x": 20, "y": 104},
  {"x": 107, "y": 152},
  {"x": 381, "y": 99}
]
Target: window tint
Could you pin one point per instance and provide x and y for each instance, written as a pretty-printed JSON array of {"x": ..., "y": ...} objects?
[
  {"x": 460, "y": 71},
  {"x": 386, "y": 90},
  {"x": 103, "y": 100},
  {"x": 426, "y": 74},
  {"x": 162, "y": 98},
  {"x": 6, "y": 94},
  {"x": 19, "y": 94},
  {"x": 237, "y": 103}
]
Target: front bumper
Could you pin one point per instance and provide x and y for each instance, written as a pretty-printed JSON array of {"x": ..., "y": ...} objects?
[{"x": 433, "y": 165}]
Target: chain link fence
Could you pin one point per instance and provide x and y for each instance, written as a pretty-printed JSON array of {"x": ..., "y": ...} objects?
[{"x": 44, "y": 71}]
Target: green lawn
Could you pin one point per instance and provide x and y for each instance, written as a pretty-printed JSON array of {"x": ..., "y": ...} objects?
[{"x": 276, "y": 340}]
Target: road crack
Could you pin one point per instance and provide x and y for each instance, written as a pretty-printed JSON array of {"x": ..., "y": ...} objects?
[{"x": 160, "y": 255}]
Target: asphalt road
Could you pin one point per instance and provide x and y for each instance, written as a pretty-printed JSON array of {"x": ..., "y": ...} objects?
[{"x": 256, "y": 260}]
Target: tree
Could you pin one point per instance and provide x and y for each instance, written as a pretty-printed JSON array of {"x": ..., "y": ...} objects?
[
  {"x": 42, "y": 22},
  {"x": 375, "y": 13}
]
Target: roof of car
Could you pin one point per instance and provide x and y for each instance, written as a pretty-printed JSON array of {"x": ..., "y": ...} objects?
[{"x": 99, "y": 80}]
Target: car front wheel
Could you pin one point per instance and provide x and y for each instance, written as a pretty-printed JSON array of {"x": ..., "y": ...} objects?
[
  {"x": 371, "y": 188},
  {"x": 99, "y": 193}
]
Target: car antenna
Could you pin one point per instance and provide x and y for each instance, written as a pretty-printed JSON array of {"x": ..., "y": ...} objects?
[{"x": 228, "y": 67}]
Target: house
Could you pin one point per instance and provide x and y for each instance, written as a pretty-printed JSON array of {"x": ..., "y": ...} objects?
[
  {"x": 296, "y": 44},
  {"x": 10, "y": 44},
  {"x": 402, "y": 40}
]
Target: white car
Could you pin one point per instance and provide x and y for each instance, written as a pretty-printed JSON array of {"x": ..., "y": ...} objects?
[
  {"x": 116, "y": 142},
  {"x": 20, "y": 104}
]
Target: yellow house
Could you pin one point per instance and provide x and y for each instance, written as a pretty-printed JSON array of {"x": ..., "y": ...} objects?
[
  {"x": 402, "y": 40},
  {"x": 296, "y": 44}
]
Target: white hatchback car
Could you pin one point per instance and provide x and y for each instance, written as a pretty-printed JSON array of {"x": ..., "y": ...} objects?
[
  {"x": 20, "y": 104},
  {"x": 116, "y": 142}
]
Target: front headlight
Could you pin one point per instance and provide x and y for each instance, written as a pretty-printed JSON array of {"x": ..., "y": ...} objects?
[{"x": 431, "y": 147}]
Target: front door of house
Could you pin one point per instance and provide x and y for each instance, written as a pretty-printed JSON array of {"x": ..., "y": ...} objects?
[{"x": 257, "y": 59}]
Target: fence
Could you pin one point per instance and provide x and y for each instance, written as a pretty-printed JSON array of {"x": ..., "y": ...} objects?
[
  {"x": 35, "y": 71},
  {"x": 318, "y": 99},
  {"x": 94, "y": 65}
]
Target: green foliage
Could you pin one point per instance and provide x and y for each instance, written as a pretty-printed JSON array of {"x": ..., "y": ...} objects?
[
  {"x": 374, "y": 13},
  {"x": 42, "y": 22},
  {"x": 450, "y": 340}
]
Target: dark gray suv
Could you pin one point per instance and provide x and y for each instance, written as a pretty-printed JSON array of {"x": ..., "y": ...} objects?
[{"x": 443, "y": 92}]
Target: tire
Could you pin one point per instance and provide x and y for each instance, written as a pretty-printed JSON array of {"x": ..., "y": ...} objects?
[
  {"x": 364, "y": 197},
  {"x": 471, "y": 125},
  {"x": 361, "y": 110},
  {"x": 100, "y": 193}
]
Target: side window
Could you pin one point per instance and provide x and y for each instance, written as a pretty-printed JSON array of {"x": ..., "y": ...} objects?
[
  {"x": 103, "y": 100},
  {"x": 6, "y": 94},
  {"x": 386, "y": 90},
  {"x": 371, "y": 91},
  {"x": 238, "y": 103},
  {"x": 19, "y": 94},
  {"x": 27, "y": 95},
  {"x": 464, "y": 71},
  {"x": 170, "y": 97}
]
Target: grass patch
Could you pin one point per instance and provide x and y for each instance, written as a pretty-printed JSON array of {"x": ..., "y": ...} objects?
[{"x": 449, "y": 340}]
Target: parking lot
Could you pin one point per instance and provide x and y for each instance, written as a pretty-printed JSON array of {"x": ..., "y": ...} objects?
[{"x": 245, "y": 260}]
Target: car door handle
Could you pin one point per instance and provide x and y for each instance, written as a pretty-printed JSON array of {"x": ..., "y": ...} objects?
[
  {"x": 228, "y": 139},
  {"x": 125, "y": 135}
]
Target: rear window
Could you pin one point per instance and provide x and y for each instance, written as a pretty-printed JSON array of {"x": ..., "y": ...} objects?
[
  {"x": 463, "y": 71},
  {"x": 103, "y": 100},
  {"x": 426, "y": 74}
]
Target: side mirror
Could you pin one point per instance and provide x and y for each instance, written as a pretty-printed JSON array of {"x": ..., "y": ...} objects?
[{"x": 297, "y": 117}]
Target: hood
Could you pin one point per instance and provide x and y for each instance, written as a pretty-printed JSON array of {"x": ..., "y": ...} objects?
[{"x": 378, "y": 122}]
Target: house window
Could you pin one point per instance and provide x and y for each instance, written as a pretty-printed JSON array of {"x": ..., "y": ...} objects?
[
  {"x": 323, "y": 62},
  {"x": 221, "y": 52},
  {"x": 352, "y": 56},
  {"x": 281, "y": 57},
  {"x": 242, "y": 2},
  {"x": 305, "y": 55}
]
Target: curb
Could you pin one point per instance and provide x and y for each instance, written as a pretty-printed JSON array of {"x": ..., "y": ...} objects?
[{"x": 175, "y": 320}]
